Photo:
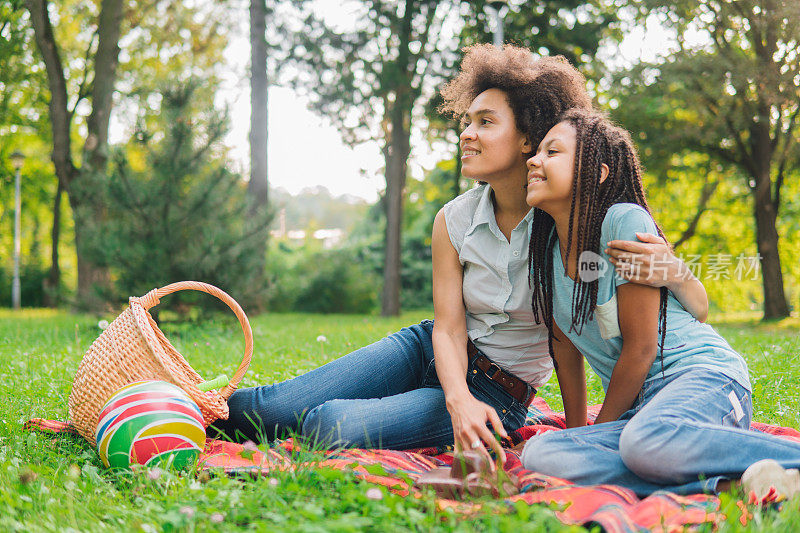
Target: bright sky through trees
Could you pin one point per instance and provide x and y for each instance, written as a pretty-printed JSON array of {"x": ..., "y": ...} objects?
[{"x": 306, "y": 151}]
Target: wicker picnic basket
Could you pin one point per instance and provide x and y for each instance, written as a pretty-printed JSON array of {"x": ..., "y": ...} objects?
[{"x": 132, "y": 348}]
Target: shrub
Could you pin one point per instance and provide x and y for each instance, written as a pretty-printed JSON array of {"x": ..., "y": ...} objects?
[
  {"x": 31, "y": 278},
  {"x": 320, "y": 281},
  {"x": 176, "y": 212}
]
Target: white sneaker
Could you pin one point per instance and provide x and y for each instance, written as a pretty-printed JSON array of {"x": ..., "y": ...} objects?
[{"x": 768, "y": 478}]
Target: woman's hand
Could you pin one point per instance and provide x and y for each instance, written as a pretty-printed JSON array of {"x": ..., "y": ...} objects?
[
  {"x": 650, "y": 262},
  {"x": 469, "y": 416},
  {"x": 653, "y": 263}
]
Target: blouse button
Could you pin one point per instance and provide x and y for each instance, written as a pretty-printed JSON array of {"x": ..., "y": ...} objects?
[{"x": 516, "y": 253}]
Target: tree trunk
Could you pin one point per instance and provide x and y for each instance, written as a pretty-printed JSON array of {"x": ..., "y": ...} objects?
[
  {"x": 395, "y": 183},
  {"x": 766, "y": 215},
  {"x": 95, "y": 149},
  {"x": 396, "y": 169},
  {"x": 93, "y": 279},
  {"x": 52, "y": 282},
  {"x": 258, "y": 187},
  {"x": 59, "y": 116},
  {"x": 106, "y": 60},
  {"x": 775, "y": 305},
  {"x": 396, "y": 157}
]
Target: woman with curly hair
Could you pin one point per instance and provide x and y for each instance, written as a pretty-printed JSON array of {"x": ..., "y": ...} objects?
[{"x": 479, "y": 363}]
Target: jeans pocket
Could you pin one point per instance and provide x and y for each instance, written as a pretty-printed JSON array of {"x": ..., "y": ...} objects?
[
  {"x": 487, "y": 391},
  {"x": 430, "y": 378},
  {"x": 738, "y": 398}
]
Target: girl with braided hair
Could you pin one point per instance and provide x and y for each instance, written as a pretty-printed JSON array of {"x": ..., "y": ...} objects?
[
  {"x": 677, "y": 409},
  {"x": 489, "y": 354}
]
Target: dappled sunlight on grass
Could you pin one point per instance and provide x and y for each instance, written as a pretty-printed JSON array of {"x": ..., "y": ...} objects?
[
  {"x": 25, "y": 312},
  {"x": 755, "y": 321},
  {"x": 49, "y": 483}
]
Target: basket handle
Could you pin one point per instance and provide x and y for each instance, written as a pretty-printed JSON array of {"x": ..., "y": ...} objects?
[{"x": 152, "y": 298}]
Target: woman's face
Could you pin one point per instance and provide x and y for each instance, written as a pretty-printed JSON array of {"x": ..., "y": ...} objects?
[
  {"x": 550, "y": 170},
  {"x": 491, "y": 145}
]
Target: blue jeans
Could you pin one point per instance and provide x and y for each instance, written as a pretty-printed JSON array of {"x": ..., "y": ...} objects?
[
  {"x": 385, "y": 395},
  {"x": 685, "y": 433}
]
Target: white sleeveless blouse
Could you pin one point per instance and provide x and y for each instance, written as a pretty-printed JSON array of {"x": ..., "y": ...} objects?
[{"x": 495, "y": 287}]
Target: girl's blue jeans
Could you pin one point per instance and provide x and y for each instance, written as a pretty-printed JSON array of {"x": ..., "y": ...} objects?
[
  {"x": 685, "y": 433},
  {"x": 385, "y": 395}
]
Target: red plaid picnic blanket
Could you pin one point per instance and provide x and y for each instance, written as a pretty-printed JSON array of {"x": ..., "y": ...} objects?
[{"x": 614, "y": 508}]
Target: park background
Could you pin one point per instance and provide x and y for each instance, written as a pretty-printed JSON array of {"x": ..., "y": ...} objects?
[
  {"x": 127, "y": 124},
  {"x": 136, "y": 172}
]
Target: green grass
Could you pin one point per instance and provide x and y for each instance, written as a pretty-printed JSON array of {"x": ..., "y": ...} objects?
[{"x": 57, "y": 483}]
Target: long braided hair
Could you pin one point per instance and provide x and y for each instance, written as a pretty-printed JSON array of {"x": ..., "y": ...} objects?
[{"x": 598, "y": 141}]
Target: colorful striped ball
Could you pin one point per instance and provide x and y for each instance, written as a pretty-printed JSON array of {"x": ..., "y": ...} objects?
[{"x": 149, "y": 423}]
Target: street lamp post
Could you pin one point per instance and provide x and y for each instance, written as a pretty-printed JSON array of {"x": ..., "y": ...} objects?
[
  {"x": 497, "y": 6},
  {"x": 17, "y": 158}
]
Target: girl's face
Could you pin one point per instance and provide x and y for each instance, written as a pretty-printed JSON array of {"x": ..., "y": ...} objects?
[
  {"x": 550, "y": 170},
  {"x": 491, "y": 145}
]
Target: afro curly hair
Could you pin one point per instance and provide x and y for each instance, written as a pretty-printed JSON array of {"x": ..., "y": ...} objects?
[{"x": 538, "y": 90}]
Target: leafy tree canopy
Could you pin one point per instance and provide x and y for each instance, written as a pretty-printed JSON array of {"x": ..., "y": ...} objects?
[{"x": 731, "y": 91}]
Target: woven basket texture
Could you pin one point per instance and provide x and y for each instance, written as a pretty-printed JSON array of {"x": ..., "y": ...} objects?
[{"x": 133, "y": 348}]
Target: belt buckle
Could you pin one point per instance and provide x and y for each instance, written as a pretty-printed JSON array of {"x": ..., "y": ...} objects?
[{"x": 495, "y": 370}]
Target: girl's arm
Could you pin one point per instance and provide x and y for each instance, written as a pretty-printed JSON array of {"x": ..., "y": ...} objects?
[
  {"x": 638, "y": 307},
  {"x": 652, "y": 262},
  {"x": 571, "y": 378},
  {"x": 692, "y": 295},
  {"x": 469, "y": 415}
]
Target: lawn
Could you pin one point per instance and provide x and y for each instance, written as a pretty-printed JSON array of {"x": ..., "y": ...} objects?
[{"x": 49, "y": 483}]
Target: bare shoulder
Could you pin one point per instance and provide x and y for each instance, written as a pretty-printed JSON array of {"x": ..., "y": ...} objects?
[{"x": 440, "y": 238}]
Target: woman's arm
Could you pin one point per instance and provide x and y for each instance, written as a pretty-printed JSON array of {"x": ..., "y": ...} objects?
[
  {"x": 571, "y": 378},
  {"x": 638, "y": 308},
  {"x": 652, "y": 262},
  {"x": 468, "y": 414}
]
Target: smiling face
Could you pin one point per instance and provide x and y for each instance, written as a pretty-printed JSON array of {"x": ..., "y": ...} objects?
[
  {"x": 492, "y": 147},
  {"x": 551, "y": 170}
]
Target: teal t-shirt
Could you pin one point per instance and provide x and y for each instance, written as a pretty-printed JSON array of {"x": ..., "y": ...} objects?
[{"x": 688, "y": 343}]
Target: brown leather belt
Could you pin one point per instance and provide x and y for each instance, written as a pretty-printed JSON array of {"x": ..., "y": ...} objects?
[{"x": 520, "y": 390}]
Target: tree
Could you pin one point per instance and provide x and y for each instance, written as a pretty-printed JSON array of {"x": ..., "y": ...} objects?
[
  {"x": 258, "y": 186},
  {"x": 369, "y": 80},
  {"x": 259, "y": 98},
  {"x": 79, "y": 182},
  {"x": 734, "y": 96},
  {"x": 572, "y": 28},
  {"x": 163, "y": 40},
  {"x": 175, "y": 209},
  {"x": 23, "y": 126}
]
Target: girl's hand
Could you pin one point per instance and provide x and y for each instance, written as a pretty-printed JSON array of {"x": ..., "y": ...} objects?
[
  {"x": 650, "y": 262},
  {"x": 469, "y": 416}
]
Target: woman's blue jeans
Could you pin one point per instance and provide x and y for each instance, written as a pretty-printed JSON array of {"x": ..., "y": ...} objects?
[
  {"x": 685, "y": 433},
  {"x": 386, "y": 395}
]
